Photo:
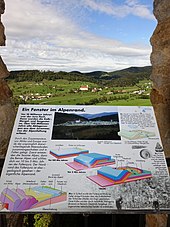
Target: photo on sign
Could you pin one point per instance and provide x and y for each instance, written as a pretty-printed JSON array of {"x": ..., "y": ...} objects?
[{"x": 100, "y": 126}]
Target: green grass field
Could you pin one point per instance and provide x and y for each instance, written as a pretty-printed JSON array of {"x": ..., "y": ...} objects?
[
  {"x": 67, "y": 93},
  {"x": 130, "y": 102}
]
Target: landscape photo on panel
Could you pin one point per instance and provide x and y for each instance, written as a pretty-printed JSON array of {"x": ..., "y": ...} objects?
[{"x": 98, "y": 126}]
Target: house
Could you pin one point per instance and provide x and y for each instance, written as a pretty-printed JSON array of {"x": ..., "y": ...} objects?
[
  {"x": 94, "y": 89},
  {"x": 109, "y": 93},
  {"x": 84, "y": 88},
  {"x": 139, "y": 92}
]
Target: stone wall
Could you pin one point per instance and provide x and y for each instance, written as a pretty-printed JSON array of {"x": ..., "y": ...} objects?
[
  {"x": 160, "y": 59},
  {"x": 160, "y": 95},
  {"x": 7, "y": 111}
]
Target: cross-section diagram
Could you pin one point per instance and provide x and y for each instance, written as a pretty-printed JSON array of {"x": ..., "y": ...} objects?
[
  {"x": 108, "y": 176},
  {"x": 135, "y": 134},
  {"x": 69, "y": 152},
  {"x": 91, "y": 160},
  {"x": 30, "y": 198}
]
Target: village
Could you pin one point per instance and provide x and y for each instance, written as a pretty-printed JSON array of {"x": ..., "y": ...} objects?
[{"x": 43, "y": 92}]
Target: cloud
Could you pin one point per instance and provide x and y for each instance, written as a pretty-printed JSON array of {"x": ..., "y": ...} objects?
[
  {"x": 130, "y": 7},
  {"x": 42, "y": 36},
  {"x": 31, "y": 19}
]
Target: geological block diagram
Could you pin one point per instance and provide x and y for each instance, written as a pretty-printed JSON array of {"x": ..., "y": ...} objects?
[
  {"x": 108, "y": 176},
  {"x": 90, "y": 160},
  {"x": 69, "y": 152},
  {"x": 135, "y": 134},
  {"x": 30, "y": 198}
]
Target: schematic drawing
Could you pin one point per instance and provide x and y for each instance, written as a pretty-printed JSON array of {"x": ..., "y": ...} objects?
[
  {"x": 135, "y": 134},
  {"x": 30, "y": 198},
  {"x": 108, "y": 176},
  {"x": 69, "y": 152},
  {"x": 90, "y": 160},
  {"x": 145, "y": 154},
  {"x": 158, "y": 147}
]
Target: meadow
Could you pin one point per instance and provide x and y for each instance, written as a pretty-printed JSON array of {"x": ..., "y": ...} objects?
[{"x": 66, "y": 92}]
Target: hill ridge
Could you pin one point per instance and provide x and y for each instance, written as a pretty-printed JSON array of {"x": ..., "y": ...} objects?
[{"x": 123, "y": 77}]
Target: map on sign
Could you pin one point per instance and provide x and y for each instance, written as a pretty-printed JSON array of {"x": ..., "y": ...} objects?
[{"x": 84, "y": 159}]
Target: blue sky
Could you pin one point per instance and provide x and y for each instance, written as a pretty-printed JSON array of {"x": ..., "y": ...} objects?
[{"x": 84, "y": 35}]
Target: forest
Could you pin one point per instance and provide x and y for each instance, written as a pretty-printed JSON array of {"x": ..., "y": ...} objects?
[{"x": 121, "y": 78}]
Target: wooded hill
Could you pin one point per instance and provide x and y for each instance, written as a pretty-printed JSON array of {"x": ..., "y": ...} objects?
[{"x": 126, "y": 77}]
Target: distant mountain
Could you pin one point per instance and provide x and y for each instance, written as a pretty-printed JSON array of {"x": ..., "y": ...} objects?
[
  {"x": 112, "y": 117},
  {"x": 135, "y": 69},
  {"x": 76, "y": 73},
  {"x": 125, "y": 77},
  {"x": 105, "y": 116},
  {"x": 95, "y": 74},
  {"x": 99, "y": 115},
  {"x": 60, "y": 118},
  {"x": 128, "y": 77},
  {"x": 132, "y": 71}
]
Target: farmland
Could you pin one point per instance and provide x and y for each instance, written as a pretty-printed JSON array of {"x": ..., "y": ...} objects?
[{"x": 62, "y": 91}]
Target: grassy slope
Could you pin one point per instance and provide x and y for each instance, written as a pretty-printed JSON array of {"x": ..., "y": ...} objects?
[
  {"x": 131, "y": 102},
  {"x": 61, "y": 90}
]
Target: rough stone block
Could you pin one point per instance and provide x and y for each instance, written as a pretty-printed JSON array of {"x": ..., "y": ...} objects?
[
  {"x": 7, "y": 116},
  {"x": 3, "y": 69}
]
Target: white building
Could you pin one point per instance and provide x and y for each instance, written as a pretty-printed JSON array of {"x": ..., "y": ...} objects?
[{"x": 84, "y": 88}]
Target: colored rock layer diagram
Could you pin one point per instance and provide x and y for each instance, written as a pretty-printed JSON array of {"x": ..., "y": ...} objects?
[
  {"x": 135, "y": 134},
  {"x": 70, "y": 152},
  {"x": 20, "y": 200},
  {"x": 91, "y": 160},
  {"x": 108, "y": 176}
]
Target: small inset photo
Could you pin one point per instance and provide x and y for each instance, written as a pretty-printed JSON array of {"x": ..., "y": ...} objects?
[{"x": 100, "y": 126}]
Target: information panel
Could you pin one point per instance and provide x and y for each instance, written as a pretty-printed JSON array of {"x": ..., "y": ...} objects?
[{"x": 84, "y": 159}]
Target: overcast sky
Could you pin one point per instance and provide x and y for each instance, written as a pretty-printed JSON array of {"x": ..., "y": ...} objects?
[{"x": 84, "y": 35}]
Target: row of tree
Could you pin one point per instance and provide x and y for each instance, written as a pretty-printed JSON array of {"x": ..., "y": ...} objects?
[
  {"x": 39, "y": 76},
  {"x": 117, "y": 80}
]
